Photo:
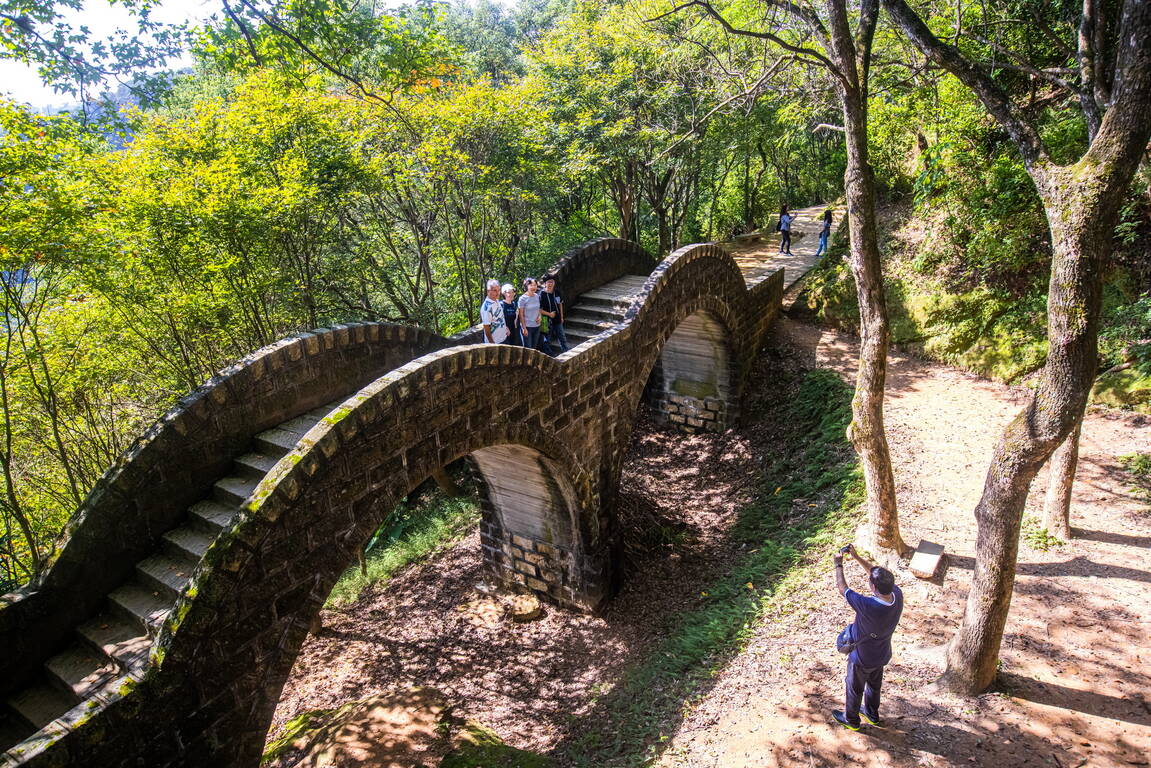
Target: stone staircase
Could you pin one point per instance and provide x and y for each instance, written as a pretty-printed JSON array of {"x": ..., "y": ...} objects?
[
  {"x": 117, "y": 641},
  {"x": 601, "y": 309}
]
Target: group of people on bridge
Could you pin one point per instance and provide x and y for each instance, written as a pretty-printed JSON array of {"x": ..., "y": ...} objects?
[{"x": 535, "y": 320}]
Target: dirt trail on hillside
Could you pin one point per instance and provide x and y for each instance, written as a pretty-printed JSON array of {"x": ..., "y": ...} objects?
[{"x": 1076, "y": 657}]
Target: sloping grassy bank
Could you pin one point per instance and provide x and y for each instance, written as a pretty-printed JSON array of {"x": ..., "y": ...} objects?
[{"x": 975, "y": 296}]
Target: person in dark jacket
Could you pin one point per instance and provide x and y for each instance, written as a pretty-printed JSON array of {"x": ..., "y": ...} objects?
[
  {"x": 869, "y": 638},
  {"x": 508, "y": 305}
]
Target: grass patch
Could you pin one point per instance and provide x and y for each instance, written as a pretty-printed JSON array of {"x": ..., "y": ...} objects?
[
  {"x": 809, "y": 504},
  {"x": 481, "y": 748},
  {"x": 1038, "y": 537},
  {"x": 1138, "y": 465},
  {"x": 294, "y": 729},
  {"x": 415, "y": 531}
]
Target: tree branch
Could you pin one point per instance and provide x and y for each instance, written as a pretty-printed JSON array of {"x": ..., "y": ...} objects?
[
  {"x": 810, "y": 55},
  {"x": 994, "y": 98}
]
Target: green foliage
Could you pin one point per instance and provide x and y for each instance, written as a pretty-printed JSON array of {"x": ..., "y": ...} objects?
[
  {"x": 411, "y": 534},
  {"x": 1138, "y": 465},
  {"x": 42, "y": 34},
  {"x": 377, "y": 54},
  {"x": 1037, "y": 537},
  {"x": 807, "y": 505}
]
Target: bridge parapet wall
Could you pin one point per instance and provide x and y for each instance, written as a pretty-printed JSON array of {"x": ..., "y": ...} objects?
[{"x": 172, "y": 466}]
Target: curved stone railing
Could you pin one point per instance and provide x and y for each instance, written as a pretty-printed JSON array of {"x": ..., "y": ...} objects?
[
  {"x": 172, "y": 465},
  {"x": 224, "y": 652}
]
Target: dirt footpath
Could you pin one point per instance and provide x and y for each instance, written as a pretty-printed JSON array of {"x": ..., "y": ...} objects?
[{"x": 1076, "y": 658}]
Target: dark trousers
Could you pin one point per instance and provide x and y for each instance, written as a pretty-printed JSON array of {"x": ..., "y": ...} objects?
[
  {"x": 785, "y": 241},
  {"x": 531, "y": 336},
  {"x": 555, "y": 333},
  {"x": 862, "y": 683},
  {"x": 513, "y": 339}
]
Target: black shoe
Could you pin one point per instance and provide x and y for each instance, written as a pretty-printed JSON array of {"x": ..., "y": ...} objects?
[
  {"x": 874, "y": 722},
  {"x": 841, "y": 718}
]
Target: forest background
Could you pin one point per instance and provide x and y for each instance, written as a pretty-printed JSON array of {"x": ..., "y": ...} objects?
[{"x": 328, "y": 161}]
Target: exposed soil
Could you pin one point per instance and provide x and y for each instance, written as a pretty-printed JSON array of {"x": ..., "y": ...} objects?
[{"x": 1076, "y": 656}]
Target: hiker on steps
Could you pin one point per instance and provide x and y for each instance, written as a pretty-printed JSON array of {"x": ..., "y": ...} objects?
[
  {"x": 511, "y": 310},
  {"x": 867, "y": 640},
  {"x": 529, "y": 315},
  {"x": 492, "y": 316}
]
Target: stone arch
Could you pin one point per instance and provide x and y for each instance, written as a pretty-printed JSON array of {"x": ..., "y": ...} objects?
[
  {"x": 229, "y": 645},
  {"x": 693, "y": 383}
]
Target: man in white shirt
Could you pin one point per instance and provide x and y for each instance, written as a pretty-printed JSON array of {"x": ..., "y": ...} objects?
[{"x": 492, "y": 315}]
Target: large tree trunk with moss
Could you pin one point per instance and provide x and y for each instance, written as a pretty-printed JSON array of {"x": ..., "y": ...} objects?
[
  {"x": 868, "y": 435},
  {"x": 1081, "y": 202},
  {"x": 1060, "y": 481}
]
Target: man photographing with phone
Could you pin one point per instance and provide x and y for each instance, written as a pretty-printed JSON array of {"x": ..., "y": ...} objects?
[{"x": 867, "y": 640}]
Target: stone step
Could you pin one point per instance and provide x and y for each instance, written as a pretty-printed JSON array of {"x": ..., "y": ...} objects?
[
  {"x": 164, "y": 574},
  {"x": 591, "y": 312},
  {"x": 300, "y": 424},
  {"x": 589, "y": 326},
  {"x": 602, "y": 301},
  {"x": 80, "y": 670},
  {"x": 212, "y": 517},
  {"x": 116, "y": 639},
  {"x": 145, "y": 608},
  {"x": 255, "y": 465},
  {"x": 276, "y": 442},
  {"x": 40, "y": 703},
  {"x": 234, "y": 491},
  {"x": 188, "y": 543}
]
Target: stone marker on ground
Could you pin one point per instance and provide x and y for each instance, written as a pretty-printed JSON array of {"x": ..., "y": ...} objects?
[
  {"x": 524, "y": 608},
  {"x": 926, "y": 559}
]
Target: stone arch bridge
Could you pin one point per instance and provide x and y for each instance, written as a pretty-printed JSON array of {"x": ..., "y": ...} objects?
[{"x": 166, "y": 627}]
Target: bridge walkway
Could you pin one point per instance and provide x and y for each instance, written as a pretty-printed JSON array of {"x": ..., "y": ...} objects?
[{"x": 759, "y": 257}]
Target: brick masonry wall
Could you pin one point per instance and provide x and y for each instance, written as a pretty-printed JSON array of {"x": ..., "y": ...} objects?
[
  {"x": 228, "y": 646},
  {"x": 173, "y": 465}
]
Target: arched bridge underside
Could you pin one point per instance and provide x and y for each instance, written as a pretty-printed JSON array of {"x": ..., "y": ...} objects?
[{"x": 165, "y": 629}]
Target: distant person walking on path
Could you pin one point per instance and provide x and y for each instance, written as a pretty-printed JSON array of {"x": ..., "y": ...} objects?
[
  {"x": 552, "y": 305},
  {"x": 492, "y": 315},
  {"x": 508, "y": 305},
  {"x": 824, "y": 233},
  {"x": 867, "y": 640},
  {"x": 529, "y": 315},
  {"x": 785, "y": 220}
]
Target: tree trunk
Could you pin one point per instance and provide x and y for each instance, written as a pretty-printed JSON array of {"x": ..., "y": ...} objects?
[
  {"x": 867, "y": 432},
  {"x": 1080, "y": 210},
  {"x": 1061, "y": 478}
]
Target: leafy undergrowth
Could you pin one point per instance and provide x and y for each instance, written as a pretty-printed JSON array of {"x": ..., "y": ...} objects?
[
  {"x": 1138, "y": 465},
  {"x": 809, "y": 503},
  {"x": 415, "y": 531}
]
